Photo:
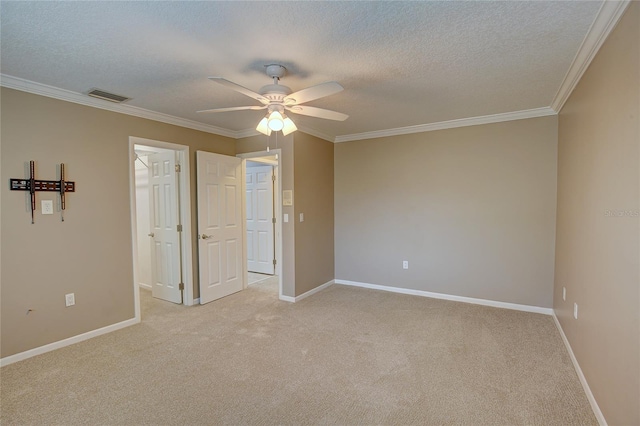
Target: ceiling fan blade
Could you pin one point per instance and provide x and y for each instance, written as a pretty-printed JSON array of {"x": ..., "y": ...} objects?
[
  {"x": 318, "y": 112},
  {"x": 233, "y": 86},
  {"x": 254, "y": 108},
  {"x": 313, "y": 92}
]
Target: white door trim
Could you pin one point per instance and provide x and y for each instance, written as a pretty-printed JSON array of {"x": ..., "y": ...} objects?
[
  {"x": 185, "y": 213},
  {"x": 278, "y": 207}
]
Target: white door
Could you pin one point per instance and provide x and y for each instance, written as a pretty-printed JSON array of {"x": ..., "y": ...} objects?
[
  {"x": 220, "y": 225},
  {"x": 259, "y": 184},
  {"x": 165, "y": 240}
]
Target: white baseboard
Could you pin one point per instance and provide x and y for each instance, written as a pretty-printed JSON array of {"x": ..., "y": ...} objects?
[
  {"x": 66, "y": 342},
  {"x": 143, "y": 285},
  {"x": 583, "y": 380},
  {"x": 306, "y": 294},
  {"x": 485, "y": 302},
  {"x": 196, "y": 301}
]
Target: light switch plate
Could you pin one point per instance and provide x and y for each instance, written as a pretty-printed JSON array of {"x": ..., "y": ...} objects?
[
  {"x": 69, "y": 299},
  {"x": 47, "y": 206},
  {"x": 286, "y": 217},
  {"x": 301, "y": 217}
]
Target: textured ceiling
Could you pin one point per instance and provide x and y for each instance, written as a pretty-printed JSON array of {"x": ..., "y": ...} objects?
[{"x": 401, "y": 63}]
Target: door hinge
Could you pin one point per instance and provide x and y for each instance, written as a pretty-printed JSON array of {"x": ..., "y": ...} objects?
[
  {"x": 274, "y": 262},
  {"x": 273, "y": 220},
  {"x": 178, "y": 168},
  {"x": 181, "y": 286},
  {"x": 273, "y": 178},
  {"x": 179, "y": 228}
]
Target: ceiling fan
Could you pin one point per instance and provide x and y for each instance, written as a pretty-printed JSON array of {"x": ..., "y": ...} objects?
[{"x": 277, "y": 99}]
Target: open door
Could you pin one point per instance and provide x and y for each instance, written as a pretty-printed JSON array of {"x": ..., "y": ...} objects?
[
  {"x": 220, "y": 225},
  {"x": 164, "y": 218},
  {"x": 260, "y": 219}
]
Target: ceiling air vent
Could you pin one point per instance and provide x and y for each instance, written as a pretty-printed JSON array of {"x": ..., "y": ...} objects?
[{"x": 97, "y": 93}]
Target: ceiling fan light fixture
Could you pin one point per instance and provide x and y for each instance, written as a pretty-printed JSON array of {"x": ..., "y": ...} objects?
[
  {"x": 289, "y": 126},
  {"x": 275, "y": 121},
  {"x": 263, "y": 127},
  {"x": 276, "y": 98}
]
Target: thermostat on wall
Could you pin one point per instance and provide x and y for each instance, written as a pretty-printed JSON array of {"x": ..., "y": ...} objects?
[{"x": 287, "y": 197}]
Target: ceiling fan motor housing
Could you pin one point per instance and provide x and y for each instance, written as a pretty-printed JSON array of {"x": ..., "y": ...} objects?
[{"x": 275, "y": 92}]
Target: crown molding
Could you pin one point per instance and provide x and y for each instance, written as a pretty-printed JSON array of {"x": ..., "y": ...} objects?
[
  {"x": 82, "y": 99},
  {"x": 451, "y": 124},
  {"x": 246, "y": 133},
  {"x": 608, "y": 16},
  {"x": 316, "y": 133}
]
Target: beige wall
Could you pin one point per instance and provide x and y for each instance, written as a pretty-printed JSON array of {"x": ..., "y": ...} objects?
[
  {"x": 598, "y": 223},
  {"x": 472, "y": 209},
  {"x": 90, "y": 253},
  {"x": 313, "y": 198}
]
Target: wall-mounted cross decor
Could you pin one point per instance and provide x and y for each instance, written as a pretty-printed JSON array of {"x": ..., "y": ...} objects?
[{"x": 33, "y": 185}]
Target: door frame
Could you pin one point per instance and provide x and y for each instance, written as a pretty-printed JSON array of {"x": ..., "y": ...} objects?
[
  {"x": 277, "y": 205},
  {"x": 185, "y": 216}
]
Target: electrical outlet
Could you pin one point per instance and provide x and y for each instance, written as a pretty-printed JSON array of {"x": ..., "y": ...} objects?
[
  {"x": 70, "y": 299},
  {"x": 575, "y": 310},
  {"x": 564, "y": 293},
  {"x": 47, "y": 206},
  {"x": 301, "y": 217},
  {"x": 405, "y": 264}
]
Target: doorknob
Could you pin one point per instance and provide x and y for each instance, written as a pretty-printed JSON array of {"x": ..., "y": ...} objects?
[
  {"x": 205, "y": 236},
  {"x": 151, "y": 235}
]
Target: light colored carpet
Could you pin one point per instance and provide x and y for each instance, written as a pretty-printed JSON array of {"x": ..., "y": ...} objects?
[{"x": 343, "y": 356}]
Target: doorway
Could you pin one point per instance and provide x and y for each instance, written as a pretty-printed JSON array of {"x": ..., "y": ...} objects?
[
  {"x": 265, "y": 251},
  {"x": 261, "y": 218},
  {"x": 160, "y": 211},
  {"x": 183, "y": 154}
]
